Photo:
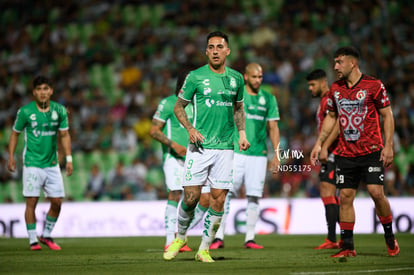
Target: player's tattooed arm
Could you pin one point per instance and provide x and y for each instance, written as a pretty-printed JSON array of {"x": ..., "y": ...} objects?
[
  {"x": 324, "y": 135},
  {"x": 239, "y": 116},
  {"x": 157, "y": 134},
  {"x": 179, "y": 111}
]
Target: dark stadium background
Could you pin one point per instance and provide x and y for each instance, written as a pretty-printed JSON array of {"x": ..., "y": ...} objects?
[{"x": 112, "y": 61}]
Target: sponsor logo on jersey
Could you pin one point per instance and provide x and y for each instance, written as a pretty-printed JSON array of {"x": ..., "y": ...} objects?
[
  {"x": 374, "y": 169},
  {"x": 54, "y": 115},
  {"x": 262, "y": 100},
  {"x": 188, "y": 175},
  {"x": 233, "y": 82},
  {"x": 207, "y": 90},
  {"x": 206, "y": 82},
  {"x": 352, "y": 115},
  {"x": 329, "y": 102},
  {"x": 210, "y": 102},
  {"x": 33, "y": 116},
  {"x": 255, "y": 117},
  {"x": 361, "y": 94}
]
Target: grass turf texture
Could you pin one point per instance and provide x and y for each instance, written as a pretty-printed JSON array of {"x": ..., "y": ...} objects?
[{"x": 283, "y": 254}]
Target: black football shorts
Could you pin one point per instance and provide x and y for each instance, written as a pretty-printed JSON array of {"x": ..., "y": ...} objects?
[{"x": 351, "y": 171}]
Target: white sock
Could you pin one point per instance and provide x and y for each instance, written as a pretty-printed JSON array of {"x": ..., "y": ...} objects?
[
  {"x": 170, "y": 221},
  {"x": 184, "y": 219},
  {"x": 252, "y": 214},
  {"x": 49, "y": 225},
  {"x": 222, "y": 228},
  {"x": 32, "y": 236},
  {"x": 198, "y": 215},
  {"x": 211, "y": 224}
]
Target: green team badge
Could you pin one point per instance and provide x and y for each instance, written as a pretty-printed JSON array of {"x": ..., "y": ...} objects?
[
  {"x": 188, "y": 175},
  {"x": 233, "y": 83}
]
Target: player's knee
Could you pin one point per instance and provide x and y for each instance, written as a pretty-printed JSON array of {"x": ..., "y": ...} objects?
[
  {"x": 174, "y": 195},
  {"x": 56, "y": 204},
  {"x": 377, "y": 194}
]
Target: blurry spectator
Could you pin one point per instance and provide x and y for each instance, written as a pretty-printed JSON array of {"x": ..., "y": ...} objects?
[
  {"x": 124, "y": 139},
  {"x": 88, "y": 138},
  {"x": 118, "y": 111},
  {"x": 96, "y": 184},
  {"x": 390, "y": 182},
  {"x": 5, "y": 174},
  {"x": 105, "y": 137},
  {"x": 287, "y": 36},
  {"x": 130, "y": 74},
  {"x": 118, "y": 187}
]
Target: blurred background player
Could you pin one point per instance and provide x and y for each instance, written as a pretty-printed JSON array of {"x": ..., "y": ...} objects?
[
  {"x": 174, "y": 139},
  {"x": 358, "y": 101},
  {"x": 250, "y": 166},
  {"x": 44, "y": 122},
  {"x": 318, "y": 86},
  {"x": 217, "y": 94}
]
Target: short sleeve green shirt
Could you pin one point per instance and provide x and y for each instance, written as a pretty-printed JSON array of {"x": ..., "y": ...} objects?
[
  {"x": 172, "y": 127},
  {"x": 259, "y": 109},
  {"x": 40, "y": 133},
  {"x": 214, "y": 96}
]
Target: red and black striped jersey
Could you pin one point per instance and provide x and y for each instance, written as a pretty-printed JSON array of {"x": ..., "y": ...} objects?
[{"x": 357, "y": 108}]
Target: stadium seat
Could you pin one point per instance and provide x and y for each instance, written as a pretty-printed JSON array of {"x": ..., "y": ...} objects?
[
  {"x": 91, "y": 158},
  {"x": 128, "y": 14},
  {"x": 85, "y": 32},
  {"x": 35, "y": 31},
  {"x": 157, "y": 14},
  {"x": 95, "y": 75},
  {"x": 75, "y": 185},
  {"x": 53, "y": 14},
  {"x": 13, "y": 190},
  {"x": 78, "y": 159},
  {"x": 143, "y": 14},
  {"x": 109, "y": 160},
  {"x": 73, "y": 31}
]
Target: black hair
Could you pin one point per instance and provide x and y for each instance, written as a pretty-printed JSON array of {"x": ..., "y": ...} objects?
[
  {"x": 348, "y": 50},
  {"x": 39, "y": 80},
  {"x": 316, "y": 74},
  {"x": 219, "y": 34},
  {"x": 180, "y": 81}
]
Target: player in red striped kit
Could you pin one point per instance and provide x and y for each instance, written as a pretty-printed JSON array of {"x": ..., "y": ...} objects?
[
  {"x": 358, "y": 101},
  {"x": 318, "y": 86}
]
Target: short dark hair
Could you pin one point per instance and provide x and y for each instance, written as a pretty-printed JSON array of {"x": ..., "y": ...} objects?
[
  {"x": 219, "y": 34},
  {"x": 40, "y": 79},
  {"x": 180, "y": 81},
  {"x": 316, "y": 74},
  {"x": 348, "y": 50}
]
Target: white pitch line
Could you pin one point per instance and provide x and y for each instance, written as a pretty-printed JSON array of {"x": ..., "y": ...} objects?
[{"x": 355, "y": 271}]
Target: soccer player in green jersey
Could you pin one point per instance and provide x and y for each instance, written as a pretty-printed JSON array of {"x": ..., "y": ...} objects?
[
  {"x": 216, "y": 92},
  {"x": 174, "y": 139},
  {"x": 43, "y": 122},
  {"x": 250, "y": 166}
]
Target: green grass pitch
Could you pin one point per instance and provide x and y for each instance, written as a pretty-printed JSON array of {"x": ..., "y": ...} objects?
[{"x": 283, "y": 254}]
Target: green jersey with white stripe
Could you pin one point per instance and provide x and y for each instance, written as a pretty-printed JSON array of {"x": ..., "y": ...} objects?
[
  {"x": 214, "y": 96},
  {"x": 41, "y": 130},
  {"x": 259, "y": 109},
  {"x": 172, "y": 128}
]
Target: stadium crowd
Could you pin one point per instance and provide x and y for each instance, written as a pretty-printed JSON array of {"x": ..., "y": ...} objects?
[{"x": 112, "y": 61}]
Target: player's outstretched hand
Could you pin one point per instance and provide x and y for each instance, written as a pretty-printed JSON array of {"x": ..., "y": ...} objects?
[{"x": 314, "y": 157}]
